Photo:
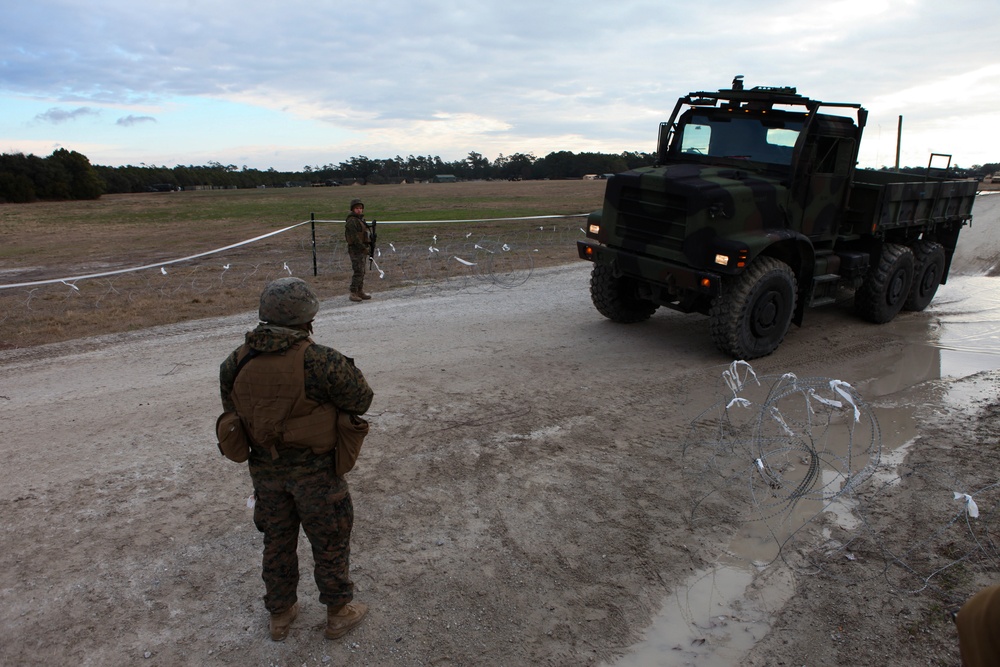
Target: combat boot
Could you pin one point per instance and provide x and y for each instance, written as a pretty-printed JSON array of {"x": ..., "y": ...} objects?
[
  {"x": 281, "y": 621},
  {"x": 341, "y": 619},
  {"x": 355, "y": 297},
  {"x": 364, "y": 295}
]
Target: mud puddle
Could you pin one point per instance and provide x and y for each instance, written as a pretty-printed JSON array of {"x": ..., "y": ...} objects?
[
  {"x": 718, "y": 614},
  {"x": 969, "y": 326},
  {"x": 713, "y": 618},
  {"x": 957, "y": 336},
  {"x": 802, "y": 462}
]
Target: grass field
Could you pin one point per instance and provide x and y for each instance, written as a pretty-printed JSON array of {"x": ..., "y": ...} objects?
[{"x": 50, "y": 241}]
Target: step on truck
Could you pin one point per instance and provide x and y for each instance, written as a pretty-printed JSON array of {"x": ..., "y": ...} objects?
[{"x": 755, "y": 210}]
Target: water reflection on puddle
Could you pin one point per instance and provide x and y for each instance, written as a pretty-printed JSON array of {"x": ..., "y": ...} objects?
[
  {"x": 957, "y": 336},
  {"x": 718, "y": 614},
  {"x": 713, "y": 618},
  {"x": 968, "y": 317}
]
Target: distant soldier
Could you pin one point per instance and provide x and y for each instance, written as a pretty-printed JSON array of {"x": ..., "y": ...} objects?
[
  {"x": 276, "y": 376},
  {"x": 358, "y": 243}
]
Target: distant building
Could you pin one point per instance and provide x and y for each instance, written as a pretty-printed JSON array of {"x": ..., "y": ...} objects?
[{"x": 444, "y": 178}]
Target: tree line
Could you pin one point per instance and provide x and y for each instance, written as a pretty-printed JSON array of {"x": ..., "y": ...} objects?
[
  {"x": 70, "y": 175},
  {"x": 62, "y": 175}
]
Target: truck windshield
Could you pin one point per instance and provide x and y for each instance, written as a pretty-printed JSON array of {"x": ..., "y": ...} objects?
[{"x": 742, "y": 138}]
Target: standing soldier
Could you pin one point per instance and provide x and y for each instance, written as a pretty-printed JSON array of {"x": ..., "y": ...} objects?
[
  {"x": 358, "y": 239},
  {"x": 276, "y": 377}
]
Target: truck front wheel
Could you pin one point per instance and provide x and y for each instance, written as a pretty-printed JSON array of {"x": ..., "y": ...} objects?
[
  {"x": 887, "y": 286},
  {"x": 615, "y": 297},
  {"x": 752, "y": 315},
  {"x": 927, "y": 271}
]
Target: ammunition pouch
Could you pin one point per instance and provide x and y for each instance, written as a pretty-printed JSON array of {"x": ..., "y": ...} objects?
[
  {"x": 233, "y": 441},
  {"x": 351, "y": 432}
]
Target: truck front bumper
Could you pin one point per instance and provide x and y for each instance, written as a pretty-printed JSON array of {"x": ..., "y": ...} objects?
[{"x": 674, "y": 278}]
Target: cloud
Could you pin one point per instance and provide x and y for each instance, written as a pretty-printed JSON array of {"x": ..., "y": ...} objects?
[
  {"x": 498, "y": 76},
  {"x": 56, "y": 115},
  {"x": 130, "y": 120}
]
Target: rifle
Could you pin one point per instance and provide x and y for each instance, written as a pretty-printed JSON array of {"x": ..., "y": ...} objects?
[{"x": 371, "y": 244}]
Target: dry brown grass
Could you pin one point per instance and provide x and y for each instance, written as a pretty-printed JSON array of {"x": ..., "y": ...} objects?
[{"x": 46, "y": 241}]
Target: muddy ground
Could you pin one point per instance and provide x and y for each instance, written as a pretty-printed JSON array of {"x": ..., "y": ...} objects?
[{"x": 522, "y": 498}]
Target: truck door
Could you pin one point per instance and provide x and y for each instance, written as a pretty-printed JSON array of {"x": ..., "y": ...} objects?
[{"x": 828, "y": 163}]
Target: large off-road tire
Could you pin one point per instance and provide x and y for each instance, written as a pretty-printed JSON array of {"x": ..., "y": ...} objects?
[
  {"x": 615, "y": 297},
  {"x": 887, "y": 285},
  {"x": 928, "y": 267},
  {"x": 752, "y": 315}
]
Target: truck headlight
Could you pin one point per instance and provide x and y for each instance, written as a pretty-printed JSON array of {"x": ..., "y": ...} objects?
[
  {"x": 717, "y": 210},
  {"x": 594, "y": 228},
  {"x": 729, "y": 255}
]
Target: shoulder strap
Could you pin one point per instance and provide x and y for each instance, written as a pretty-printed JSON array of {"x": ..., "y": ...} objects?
[{"x": 243, "y": 362}]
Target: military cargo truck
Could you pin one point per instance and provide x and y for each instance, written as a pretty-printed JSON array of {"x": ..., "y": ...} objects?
[{"x": 755, "y": 211}]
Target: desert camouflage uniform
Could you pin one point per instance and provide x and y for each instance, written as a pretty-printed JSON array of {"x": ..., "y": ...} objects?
[
  {"x": 356, "y": 233},
  {"x": 300, "y": 487}
]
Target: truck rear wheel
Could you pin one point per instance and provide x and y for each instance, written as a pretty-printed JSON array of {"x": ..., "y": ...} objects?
[
  {"x": 928, "y": 268},
  {"x": 752, "y": 315},
  {"x": 887, "y": 286},
  {"x": 614, "y": 296}
]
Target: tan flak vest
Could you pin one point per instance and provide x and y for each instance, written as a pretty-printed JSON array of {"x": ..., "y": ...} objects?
[{"x": 270, "y": 398}]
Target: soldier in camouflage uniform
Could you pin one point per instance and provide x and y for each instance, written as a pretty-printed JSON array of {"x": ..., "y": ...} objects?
[
  {"x": 358, "y": 237},
  {"x": 295, "y": 485}
]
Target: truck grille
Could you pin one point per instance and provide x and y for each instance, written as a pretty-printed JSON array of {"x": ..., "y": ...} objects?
[{"x": 651, "y": 218}]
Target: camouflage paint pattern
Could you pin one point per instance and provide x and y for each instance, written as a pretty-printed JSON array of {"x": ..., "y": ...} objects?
[
  {"x": 287, "y": 302},
  {"x": 301, "y": 487},
  {"x": 303, "y": 490},
  {"x": 666, "y": 224},
  {"x": 357, "y": 236},
  {"x": 359, "y": 263},
  {"x": 331, "y": 377}
]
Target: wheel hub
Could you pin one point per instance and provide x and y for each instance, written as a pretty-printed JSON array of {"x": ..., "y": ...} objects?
[
  {"x": 766, "y": 313},
  {"x": 930, "y": 280},
  {"x": 896, "y": 291}
]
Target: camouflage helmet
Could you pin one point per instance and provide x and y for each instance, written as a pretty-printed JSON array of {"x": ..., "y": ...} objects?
[
  {"x": 356, "y": 202},
  {"x": 287, "y": 302}
]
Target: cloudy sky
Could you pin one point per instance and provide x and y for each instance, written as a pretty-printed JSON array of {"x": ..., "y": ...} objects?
[{"x": 289, "y": 84}]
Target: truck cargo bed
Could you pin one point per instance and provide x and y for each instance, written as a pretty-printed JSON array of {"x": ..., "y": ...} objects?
[{"x": 888, "y": 200}]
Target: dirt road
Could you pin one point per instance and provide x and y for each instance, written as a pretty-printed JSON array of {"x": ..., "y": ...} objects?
[{"x": 521, "y": 499}]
